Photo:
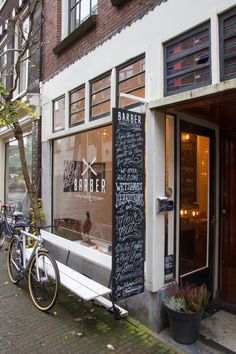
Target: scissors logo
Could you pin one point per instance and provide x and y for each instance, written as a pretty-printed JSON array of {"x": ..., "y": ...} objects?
[{"x": 89, "y": 166}]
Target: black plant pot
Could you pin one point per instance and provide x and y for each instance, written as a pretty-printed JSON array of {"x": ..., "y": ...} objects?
[{"x": 184, "y": 327}]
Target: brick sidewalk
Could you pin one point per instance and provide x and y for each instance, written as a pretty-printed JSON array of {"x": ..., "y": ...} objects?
[{"x": 26, "y": 330}]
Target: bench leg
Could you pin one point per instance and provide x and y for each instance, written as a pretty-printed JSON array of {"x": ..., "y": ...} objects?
[{"x": 83, "y": 318}]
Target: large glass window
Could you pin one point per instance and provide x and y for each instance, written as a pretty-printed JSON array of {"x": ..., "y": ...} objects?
[
  {"x": 131, "y": 80},
  {"x": 79, "y": 11},
  {"x": 59, "y": 114},
  {"x": 77, "y": 106},
  {"x": 187, "y": 61},
  {"x": 100, "y": 97},
  {"x": 82, "y": 188},
  {"x": 228, "y": 45},
  {"x": 16, "y": 192}
]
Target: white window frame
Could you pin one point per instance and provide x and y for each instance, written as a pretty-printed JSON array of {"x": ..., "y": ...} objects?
[
  {"x": 21, "y": 90},
  {"x": 65, "y": 18},
  {"x": 3, "y": 61}
]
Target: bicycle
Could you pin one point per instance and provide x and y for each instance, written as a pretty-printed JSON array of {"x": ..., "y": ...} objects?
[
  {"x": 10, "y": 222},
  {"x": 40, "y": 269}
]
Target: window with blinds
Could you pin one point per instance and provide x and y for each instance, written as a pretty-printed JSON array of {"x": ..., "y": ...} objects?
[
  {"x": 228, "y": 45},
  {"x": 187, "y": 60}
]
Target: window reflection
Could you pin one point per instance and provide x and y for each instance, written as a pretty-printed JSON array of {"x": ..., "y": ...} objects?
[
  {"x": 16, "y": 192},
  {"x": 82, "y": 188},
  {"x": 59, "y": 114},
  {"x": 194, "y": 202}
]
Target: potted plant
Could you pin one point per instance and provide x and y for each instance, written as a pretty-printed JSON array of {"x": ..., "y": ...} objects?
[{"x": 185, "y": 307}]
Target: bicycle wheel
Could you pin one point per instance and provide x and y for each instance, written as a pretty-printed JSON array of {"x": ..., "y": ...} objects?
[
  {"x": 15, "y": 260},
  {"x": 43, "y": 281},
  {"x": 2, "y": 233}
]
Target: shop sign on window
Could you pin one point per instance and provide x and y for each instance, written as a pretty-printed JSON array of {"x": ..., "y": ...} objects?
[
  {"x": 128, "y": 203},
  {"x": 84, "y": 176}
]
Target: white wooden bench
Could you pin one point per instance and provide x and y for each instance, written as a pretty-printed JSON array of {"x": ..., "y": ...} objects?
[{"x": 79, "y": 284}]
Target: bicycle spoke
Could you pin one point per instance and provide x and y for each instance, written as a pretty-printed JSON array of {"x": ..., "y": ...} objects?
[
  {"x": 15, "y": 260},
  {"x": 43, "y": 281}
]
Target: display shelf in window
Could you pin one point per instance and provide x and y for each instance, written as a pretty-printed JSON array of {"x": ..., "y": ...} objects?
[
  {"x": 77, "y": 106},
  {"x": 131, "y": 80},
  {"x": 100, "y": 97},
  {"x": 228, "y": 45},
  {"x": 187, "y": 60}
]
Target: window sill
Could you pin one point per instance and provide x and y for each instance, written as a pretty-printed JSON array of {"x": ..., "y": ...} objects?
[
  {"x": 117, "y": 2},
  {"x": 76, "y": 34}
]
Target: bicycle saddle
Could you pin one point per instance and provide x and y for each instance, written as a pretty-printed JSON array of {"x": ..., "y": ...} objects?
[
  {"x": 18, "y": 213},
  {"x": 20, "y": 224}
]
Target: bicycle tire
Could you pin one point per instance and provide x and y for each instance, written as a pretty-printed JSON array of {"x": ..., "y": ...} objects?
[
  {"x": 43, "y": 291},
  {"x": 2, "y": 234},
  {"x": 15, "y": 260}
]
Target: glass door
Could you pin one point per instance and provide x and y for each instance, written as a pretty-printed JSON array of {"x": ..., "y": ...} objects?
[{"x": 196, "y": 204}]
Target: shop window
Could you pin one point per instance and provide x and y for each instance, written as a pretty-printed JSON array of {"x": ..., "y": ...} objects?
[
  {"x": 79, "y": 11},
  {"x": 59, "y": 114},
  {"x": 82, "y": 188},
  {"x": 16, "y": 192},
  {"x": 187, "y": 61},
  {"x": 228, "y": 45},
  {"x": 131, "y": 80},
  {"x": 100, "y": 99},
  {"x": 77, "y": 106}
]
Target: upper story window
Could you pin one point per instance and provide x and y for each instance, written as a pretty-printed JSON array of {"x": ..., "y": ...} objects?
[
  {"x": 2, "y": 2},
  {"x": 3, "y": 66},
  {"x": 131, "y": 80},
  {"x": 21, "y": 35},
  {"x": 77, "y": 18},
  {"x": 77, "y": 106},
  {"x": 187, "y": 61},
  {"x": 100, "y": 97},
  {"x": 79, "y": 11},
  {"x": 59, "y": 114},
  {"x": 228, "y": 45}
]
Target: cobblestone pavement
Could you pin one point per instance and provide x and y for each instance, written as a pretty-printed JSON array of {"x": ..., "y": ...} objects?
[{"x": 26, "y": 330}]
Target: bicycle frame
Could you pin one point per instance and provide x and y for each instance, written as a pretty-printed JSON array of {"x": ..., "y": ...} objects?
[{"x": 36, "y": 249}]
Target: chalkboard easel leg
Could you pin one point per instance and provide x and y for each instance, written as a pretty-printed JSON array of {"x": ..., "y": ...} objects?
[{"x": 116, "y": 311}]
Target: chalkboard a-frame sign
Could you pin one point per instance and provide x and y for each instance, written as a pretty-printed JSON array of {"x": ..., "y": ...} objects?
[{"x": 128, "y": 224}]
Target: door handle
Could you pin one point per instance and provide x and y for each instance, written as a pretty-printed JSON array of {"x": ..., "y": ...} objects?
[
  {"x": 223, "y": 211},
  {"x": 213, "y": 220}
]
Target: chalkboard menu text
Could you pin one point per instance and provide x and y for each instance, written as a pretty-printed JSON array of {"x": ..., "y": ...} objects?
[{"x": 128, "y": 203}]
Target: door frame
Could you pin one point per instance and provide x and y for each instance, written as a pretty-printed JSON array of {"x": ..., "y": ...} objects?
[
  {"x": 207, "y": 273},
  {"x": 225, "y": 133}
]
